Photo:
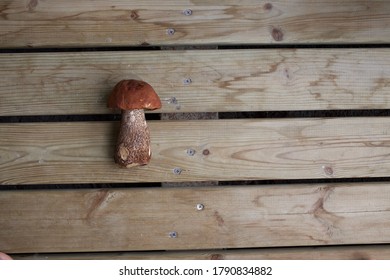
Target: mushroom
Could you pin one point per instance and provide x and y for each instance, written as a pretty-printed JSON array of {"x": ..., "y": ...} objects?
[
  {"x": 4, "y": 257},
  {"x": 132, "y": 97}
]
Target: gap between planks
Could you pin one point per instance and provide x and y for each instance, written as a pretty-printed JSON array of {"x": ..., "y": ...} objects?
[{"x": 362, "y": 252}]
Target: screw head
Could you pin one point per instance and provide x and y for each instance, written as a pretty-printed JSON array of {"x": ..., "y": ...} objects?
[
  {"x": 187, "y": 12},
  {"x": 199, "y": 206},
  {"x": 170, "y": 31},
  {"x": 173, "y": 234},
  {"x": 172, "y": 100},
  {"x": 191, "y": 152},
  {"x": 177, "y": 170},
  {"x": 187, "y": 81}
]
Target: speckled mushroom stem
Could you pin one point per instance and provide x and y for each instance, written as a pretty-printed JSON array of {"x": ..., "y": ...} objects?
[{"x": 133, "y": 146}]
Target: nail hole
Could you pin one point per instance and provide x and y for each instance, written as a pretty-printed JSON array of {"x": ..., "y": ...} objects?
[
  {"x": 286, "y": 73},
  {"x": 206, "y": 152},
  {"x": 191, "y": 152},
  {"x": 170, "y": 31},
  {"x": 172, "y": 100},
  {"x": 177, "y": 171},
  {"x": 187, "y": 12},
  {"x": 173, "y": 234},
  {"x": 199, "y": 206},
  {"x": 187, "y": 81}
]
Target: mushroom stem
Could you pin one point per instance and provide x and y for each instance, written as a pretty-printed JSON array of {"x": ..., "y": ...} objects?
[{"x": 133, "y": 146}]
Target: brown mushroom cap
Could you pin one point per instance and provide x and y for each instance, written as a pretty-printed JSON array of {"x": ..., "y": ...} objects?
[{"x": 133, "y": 94}]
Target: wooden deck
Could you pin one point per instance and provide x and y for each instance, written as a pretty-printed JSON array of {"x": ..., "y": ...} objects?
[
  {"x": 298, "y": 160},
  {"x": 91, "y": 23},
  {"x": 221, "y": 80}
]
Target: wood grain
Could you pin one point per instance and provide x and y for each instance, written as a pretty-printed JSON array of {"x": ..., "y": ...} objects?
[
  {"x": 143, "y": 218},
  {"x": 363, "y": 252},
  {"x": 221, "y": 80},
  {"x": 247, "y": 149},
  {"x": 37, "y": 23}
]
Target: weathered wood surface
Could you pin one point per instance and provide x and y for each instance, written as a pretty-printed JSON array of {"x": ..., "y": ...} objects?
[
  {"x": 221, "y": 80},
  {"x": 364, "y": 252},
  {"x": 82, "y": 152},
  {"x": 71, "y": 23},
  {"x": 143, "y": 218}
]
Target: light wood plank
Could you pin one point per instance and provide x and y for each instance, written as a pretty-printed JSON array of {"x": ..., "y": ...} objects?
[
  {"x": 365, "y": 252},
  {"x": 247, "y": 149},
  {"x": 222, "y": 80},
  {"x": 71, "y": 23},
  {"x": 233, "y": 217}
]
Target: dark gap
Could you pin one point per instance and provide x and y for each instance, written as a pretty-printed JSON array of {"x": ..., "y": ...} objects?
[
  {"x": 211, "y": 250},
  {"x": 303, "y": 46},
  {"x": 220, "y": 183},
  {"x": 97, "y": 253},
  {"x": 70, "y": 118},
  {"x": 304, "y": 181},
  {"x": 79, "y": 186},
  {"x": 192, "y": 47},
  {"x": 79, "y": 49},
  {"x": 314, "y": 247},
  {"x": 221, "y": 115},
  {"x": 305, "y": 114}
]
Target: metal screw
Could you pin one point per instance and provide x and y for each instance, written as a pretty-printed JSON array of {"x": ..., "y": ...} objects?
[
  {"x": 177, "y": 171},
  {"x": 187, "y": 81},
  {"x": 170, "y": 31},
  {"x": 172, "y": 100},
  {"x": 173, "y": 234},
  {"x": 199, "y": 206},
  {"x": 191, "y": 152},
  {"x": 187, "y": 12}
]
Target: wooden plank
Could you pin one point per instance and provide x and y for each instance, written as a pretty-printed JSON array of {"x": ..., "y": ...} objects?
[
  {"x": 247, "y": 149},
  {"x": 233, "y": 217},
  {"x": 130, "y": 22},
  {"x": 365, "y": 252},
  {"x": 221, "y": 80}
]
